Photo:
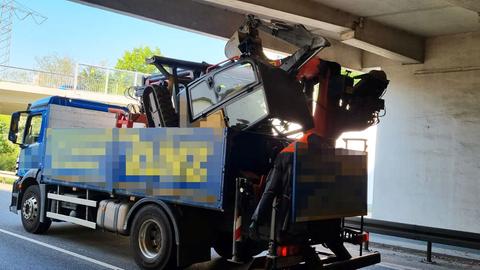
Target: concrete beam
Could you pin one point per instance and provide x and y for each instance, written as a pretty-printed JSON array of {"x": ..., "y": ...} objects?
[
  {"x": 184, "y": 14},
  {"x": 9, "y": 108},
  {"x": 345, "y": 55},
  {"x": 473, "y": 5},
  {"x": 220, "y": 22},
  {"x": 222, "y": 17},
  {"x": 388, "y": 42},
  {"x": 348, "y": 28},
  {"x": 207, "y": 19},
  {"x": 336, "y": 24}
]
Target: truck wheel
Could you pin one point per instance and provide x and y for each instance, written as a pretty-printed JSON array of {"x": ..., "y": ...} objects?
[
  {"x": 30, "y": 211},
  {"x": 151, "y": 239}
]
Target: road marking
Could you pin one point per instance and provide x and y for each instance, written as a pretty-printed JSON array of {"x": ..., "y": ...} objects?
[
  {"x": 85, "y": 258},
  {"x": 397, "y": 266}
]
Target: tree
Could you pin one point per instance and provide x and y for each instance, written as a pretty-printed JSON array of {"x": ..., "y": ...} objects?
[
  {"x": 92, "y": 79},
  {"x": 8, "y": 151},
  {"x": 56, "y": 64},
  {"x": 134, "y": 60},
  {"x": 57, "y": 72}
]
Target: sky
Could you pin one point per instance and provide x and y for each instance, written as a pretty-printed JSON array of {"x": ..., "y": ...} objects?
[{"x": 95, "y": 36}]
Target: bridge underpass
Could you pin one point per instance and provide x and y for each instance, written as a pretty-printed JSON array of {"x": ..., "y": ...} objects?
[
  {"x": 426, "y": 170},
  {"x": 19, "y": 86},
  {"x": 15, "y": 96}
]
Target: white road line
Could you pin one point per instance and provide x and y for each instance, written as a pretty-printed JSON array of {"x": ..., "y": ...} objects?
[
  {"x": 397, "y": 266},
  {"x": 85, "y": 258}
]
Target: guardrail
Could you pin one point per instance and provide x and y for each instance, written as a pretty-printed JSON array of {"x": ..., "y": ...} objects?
[
  {"x": 8, "y": 174},
  {"x": 416, "y": 232},
  {"x": 7, "y": 177},
  {"x": 34, "y": 77},
  {"x": 85, "y": 77}
]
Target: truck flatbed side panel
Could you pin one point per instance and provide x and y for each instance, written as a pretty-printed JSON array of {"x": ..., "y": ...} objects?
[
  {"x": 180, "y": 165},
  {"x": 328, "y": 183}
]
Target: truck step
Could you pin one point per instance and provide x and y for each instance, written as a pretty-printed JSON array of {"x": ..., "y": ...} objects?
[
  {"x": 70, "y": 199},
  {"x": 74, "y": 220}
]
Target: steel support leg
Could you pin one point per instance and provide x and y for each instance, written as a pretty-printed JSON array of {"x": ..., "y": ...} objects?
[
  {"x": 429, "y": 252},
  {"x": 366, "y": 246}
]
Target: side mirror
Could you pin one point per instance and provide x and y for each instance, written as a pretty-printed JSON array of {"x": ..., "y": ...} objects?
[{"x": 17, "y": 127}]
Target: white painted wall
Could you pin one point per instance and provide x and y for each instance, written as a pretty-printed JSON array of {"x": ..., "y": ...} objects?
[{"x": 427, "y": 169}]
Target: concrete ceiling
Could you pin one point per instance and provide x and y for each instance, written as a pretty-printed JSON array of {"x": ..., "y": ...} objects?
[
  {"x": 348, "y": 28},
  {"x": 426, "y": 18}
]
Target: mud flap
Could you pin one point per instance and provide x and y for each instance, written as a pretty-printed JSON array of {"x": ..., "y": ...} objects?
[
  {"x": 14, "y": 198},
  {"x": 43, "y": 199}
]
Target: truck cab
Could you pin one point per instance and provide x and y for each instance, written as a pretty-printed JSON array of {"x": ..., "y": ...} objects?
[{"x": 28, "y": 128}]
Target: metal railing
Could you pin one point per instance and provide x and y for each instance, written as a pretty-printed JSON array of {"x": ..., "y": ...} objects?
[
  {"x": 34, "y": 77},
  {"x": 417, "y": 232},
  {"x": 105, "y": 80},
  {"x": 85, "y": 77}
]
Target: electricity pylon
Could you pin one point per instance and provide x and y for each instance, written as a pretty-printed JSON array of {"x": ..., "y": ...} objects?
[{"x": 8, "y": 10}]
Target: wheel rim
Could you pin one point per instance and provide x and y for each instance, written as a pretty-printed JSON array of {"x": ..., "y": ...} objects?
[
  {"x": 150, "y": 239},
  {"x": 30, "y": 209}
]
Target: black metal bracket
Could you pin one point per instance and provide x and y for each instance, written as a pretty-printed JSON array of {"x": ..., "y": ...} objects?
[{"x": 176, "y": 66}]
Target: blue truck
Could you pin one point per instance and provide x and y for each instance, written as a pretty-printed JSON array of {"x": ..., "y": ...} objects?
[{"x": 182, "y": 170}]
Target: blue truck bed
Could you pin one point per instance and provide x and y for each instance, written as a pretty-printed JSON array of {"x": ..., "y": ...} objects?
[{"x": 180, "y": 165}]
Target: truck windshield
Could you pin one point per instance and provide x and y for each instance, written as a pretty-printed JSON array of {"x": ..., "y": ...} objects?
[
  {"x": 33, "y": 130},
  {"x": 226, "y": 84}
]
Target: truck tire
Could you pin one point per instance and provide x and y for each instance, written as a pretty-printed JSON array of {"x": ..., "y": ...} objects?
[
  {"x": 151, "y": 239},
  {"x": 30, "y": 211}
]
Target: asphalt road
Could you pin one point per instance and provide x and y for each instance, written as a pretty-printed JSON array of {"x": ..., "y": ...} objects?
[
  {"x": 17, "y": 253},
  {"x": 68, "y": 246}
]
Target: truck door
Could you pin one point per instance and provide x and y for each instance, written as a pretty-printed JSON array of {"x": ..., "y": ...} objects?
[{"x": 30, "y": 155}]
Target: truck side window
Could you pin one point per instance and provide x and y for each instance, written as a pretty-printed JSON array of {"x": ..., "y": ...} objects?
[
  {"x": 229, "y": 82},
  {"x": 33, "y": 130},
  {"x": 247, "y": 110},
  {"x": 202, "y": 98}
]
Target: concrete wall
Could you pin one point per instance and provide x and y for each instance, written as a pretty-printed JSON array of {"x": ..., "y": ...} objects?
[{"x": 427, "y": 169}]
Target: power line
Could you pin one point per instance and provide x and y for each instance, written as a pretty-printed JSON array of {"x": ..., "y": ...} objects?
[{"x": 8, "y": 10}]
